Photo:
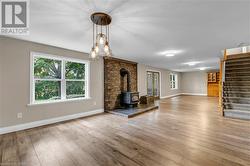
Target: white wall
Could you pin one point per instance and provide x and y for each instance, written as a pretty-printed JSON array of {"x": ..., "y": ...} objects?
[
  {"x": 15, "y": 84},
  {"x": 194, "y": 82},
  {"x": 1, "y": 93},
  {"x": 164, "y": 83}
]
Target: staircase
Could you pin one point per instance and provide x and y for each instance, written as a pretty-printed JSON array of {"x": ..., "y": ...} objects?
[{"x": 236, "y": 88}]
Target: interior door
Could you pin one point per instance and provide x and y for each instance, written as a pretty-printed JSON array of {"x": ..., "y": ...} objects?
[{"x": 153, "y": 84}]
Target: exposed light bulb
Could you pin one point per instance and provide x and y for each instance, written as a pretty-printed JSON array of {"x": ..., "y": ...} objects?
[
  {"x": 93, "y": 53},
  {"x": 106, "y": 47},
  {"x": 101, "y": 40},
  {"x": 96, "y": 48}
]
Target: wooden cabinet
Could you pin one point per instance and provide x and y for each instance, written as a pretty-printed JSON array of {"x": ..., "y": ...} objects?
[{"x": 213, "y": 84}]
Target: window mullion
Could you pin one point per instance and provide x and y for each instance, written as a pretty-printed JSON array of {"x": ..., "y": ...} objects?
[
  {"x": 63, "y": 82},
  {"x": 33, "y": 80}
]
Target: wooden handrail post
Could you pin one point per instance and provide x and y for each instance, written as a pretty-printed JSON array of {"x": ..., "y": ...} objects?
[
  {"x": 225, "y": 54},
  {"x": 221, "y": 85}
]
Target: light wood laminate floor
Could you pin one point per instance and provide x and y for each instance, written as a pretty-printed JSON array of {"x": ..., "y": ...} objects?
[{"x": 186, "y": 130}]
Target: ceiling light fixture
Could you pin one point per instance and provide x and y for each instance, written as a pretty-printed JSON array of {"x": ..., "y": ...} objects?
[
  {"x": 191, "y": 63},
  {"x": 101, "y": 42},
  {"x": 203, "y": 68},
  {"x": 170, "y": 53}
]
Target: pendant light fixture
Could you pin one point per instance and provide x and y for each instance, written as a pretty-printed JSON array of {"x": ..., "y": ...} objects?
[{"x": 101, "y": 43}]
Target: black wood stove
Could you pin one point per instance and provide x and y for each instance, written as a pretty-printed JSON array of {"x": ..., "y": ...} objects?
[{"x": 128, "y": 98}]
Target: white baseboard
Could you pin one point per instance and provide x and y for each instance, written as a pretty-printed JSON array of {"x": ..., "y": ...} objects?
[
  {"x": 165, "y": 97},
  {"x": 179, "y": 94},
  {"x": 10, "y": 129},
  {"x": 194, "y": 94}
]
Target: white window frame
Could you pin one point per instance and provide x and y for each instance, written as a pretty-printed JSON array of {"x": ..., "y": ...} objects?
[
  {"x": 173, "y": 83},
  {"x": 34, "y": 55}
]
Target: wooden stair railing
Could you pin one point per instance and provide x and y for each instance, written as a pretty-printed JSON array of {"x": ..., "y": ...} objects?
[{"x": 221, "y": 82}]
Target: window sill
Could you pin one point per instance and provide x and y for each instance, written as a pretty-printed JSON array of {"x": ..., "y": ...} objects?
[{"x": 59, "y": 101}]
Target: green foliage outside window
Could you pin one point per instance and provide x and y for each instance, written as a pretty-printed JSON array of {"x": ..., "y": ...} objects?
[
  {"x": 75, "y": 89},
  {"x": 47, "y": 68},
  {"x": 47, "y": 90},
  {"x": 48, "y": 83},
  {"x": 75, "y": 70}
]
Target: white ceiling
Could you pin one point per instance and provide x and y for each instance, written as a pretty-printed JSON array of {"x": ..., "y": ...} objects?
[{"x": 142, "y": 28}]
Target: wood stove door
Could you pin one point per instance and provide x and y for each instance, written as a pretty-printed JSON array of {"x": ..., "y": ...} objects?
[{"x": 153, "y": 84}]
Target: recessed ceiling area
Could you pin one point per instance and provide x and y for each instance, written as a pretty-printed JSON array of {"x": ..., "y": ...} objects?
[{"x": 141, "y": 29}]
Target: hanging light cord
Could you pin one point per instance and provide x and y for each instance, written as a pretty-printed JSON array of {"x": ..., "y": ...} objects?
[
  {"x": 96, "y": 28},
  {"x": 93, "y": 34},
  {"x": 108, "y": 33}
]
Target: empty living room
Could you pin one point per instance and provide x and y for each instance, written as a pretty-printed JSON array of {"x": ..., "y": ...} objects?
[{"x": 125, "y": 82}]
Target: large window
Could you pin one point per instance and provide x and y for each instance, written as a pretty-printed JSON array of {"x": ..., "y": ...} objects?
[
  {"x": 56, "y": 78},
  {"x": 173, "y": 81}
]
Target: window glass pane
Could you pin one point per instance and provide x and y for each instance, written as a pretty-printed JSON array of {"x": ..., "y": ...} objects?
[
  {"x": 150, "y": 83},
  {"x": 75, "y": 89},
  {"x": 75, "y": 70},
  {"x": 47, "y": 68},
  {"x": 47, "y": 90},
  {"x": 174, "y": 77}
]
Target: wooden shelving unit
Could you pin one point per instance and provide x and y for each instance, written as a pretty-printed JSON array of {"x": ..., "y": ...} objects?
[{"x": 213, "y": 79}]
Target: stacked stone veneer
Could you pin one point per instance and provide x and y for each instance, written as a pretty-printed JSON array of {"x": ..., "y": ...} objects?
[{"x": 113, "y": 83}]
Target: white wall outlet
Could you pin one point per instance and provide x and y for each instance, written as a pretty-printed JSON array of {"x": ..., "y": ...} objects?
[
  {"x": 94, "y": 102},
  {"x": 19, "y": 115}
]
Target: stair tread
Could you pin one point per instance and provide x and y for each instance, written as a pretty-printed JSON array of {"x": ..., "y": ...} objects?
[
  {"x": 237, "y": 68},
  {"x": 228, "y": 91},
  {"x": 236, "y": 81},
  {"x": 236, "y": 110},
  {"x": 237, "y": 104},
  {"x": 238, "y": 114},
  {"x": 245, "y": 98},
  {"x": 238, "y": 85},
  {"x": 240, "y": 81},
  {"x": 233, "y": 76},
  {"x": 237, "y": 64},
  {"x": 236, "y": 89},
  {"x": 239, "y": 72},
  {"x": 238, "y": 59}
]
